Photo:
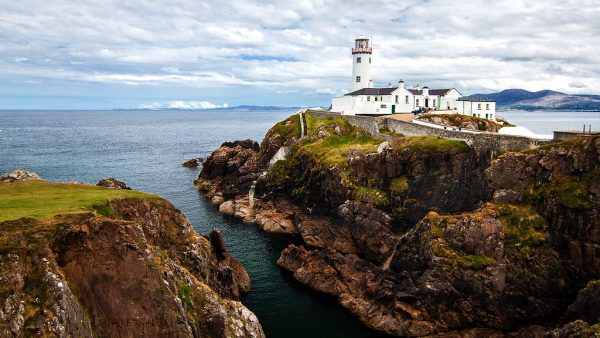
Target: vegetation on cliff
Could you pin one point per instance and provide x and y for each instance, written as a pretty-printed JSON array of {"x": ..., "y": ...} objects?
[
  {"x": 81, "y": 260},
  {"x": 444, "y": 238},
  {"x": 43, "y": 199},
  {"x": 465, "y": 122}
]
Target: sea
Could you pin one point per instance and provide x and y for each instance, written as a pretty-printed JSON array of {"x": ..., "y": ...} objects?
[{"x": 146, "y": 148}]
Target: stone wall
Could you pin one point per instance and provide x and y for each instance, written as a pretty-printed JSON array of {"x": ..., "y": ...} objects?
[{"x": 496, "y": 143}]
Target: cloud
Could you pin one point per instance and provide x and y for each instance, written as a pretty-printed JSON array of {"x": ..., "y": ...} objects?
[
  {"x": 300, "y": 46},
  {"x": 183, "y": 105}
]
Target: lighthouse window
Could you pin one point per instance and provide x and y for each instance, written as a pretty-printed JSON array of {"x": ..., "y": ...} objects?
[
  {"x": 358, "y": 59},
  {"x": 358, "y": 79},
  {"x": 406, "y": 99}
]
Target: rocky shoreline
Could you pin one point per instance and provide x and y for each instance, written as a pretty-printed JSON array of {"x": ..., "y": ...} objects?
[
  {"x": 127, "y": 265},
  {"x": 421, "y": 236}
]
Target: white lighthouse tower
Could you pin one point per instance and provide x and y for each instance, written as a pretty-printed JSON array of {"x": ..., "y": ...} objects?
[{"x": 361, "y": 63}]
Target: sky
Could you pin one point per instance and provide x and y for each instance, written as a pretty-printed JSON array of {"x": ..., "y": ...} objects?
[{"x": 203, "y": 54}]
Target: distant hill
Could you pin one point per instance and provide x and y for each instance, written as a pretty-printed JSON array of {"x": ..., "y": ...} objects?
[{"x": 544, "y": 99}]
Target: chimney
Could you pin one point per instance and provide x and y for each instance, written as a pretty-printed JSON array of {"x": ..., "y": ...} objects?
[
  {"x": 401, "y": 83},
  {"x": 425, "y": 91}
]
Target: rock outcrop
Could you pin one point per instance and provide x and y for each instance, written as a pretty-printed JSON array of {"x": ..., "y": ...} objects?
[
  {"x": 424, "y": 236},
  {"x": 133, "y": 267},
  {"x": 113, "y": 183},
  {"x": 19, "y": 175},
  {"x": 464, "y": 122}
]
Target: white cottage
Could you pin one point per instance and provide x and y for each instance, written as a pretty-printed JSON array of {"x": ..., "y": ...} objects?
[{"x": 366, "y": 100}]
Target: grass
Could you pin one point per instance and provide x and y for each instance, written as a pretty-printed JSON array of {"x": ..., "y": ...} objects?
[
  {"x": 336, "y": 148},
  {"x": 430, "y": 144},
  {"x": 570, "y": 191},
  {"x": 287, "y": 129},
  {"x": 371, "y": 195},
  {"x": 399, "y": 185},
  {"x": 40, "y": 199},
  {"x": 524, "y": 228}
]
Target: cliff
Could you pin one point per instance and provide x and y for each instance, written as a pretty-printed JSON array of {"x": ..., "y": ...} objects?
[
  {"x": 86, "y": 261},
  {"x": 422, "y": 235}
]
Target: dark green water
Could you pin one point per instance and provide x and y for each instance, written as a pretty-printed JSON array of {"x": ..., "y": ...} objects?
[{"x": 145, "y": 149}]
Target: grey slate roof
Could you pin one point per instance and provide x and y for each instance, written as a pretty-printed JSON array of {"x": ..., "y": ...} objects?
[
  {"x": 373, "y": 91},
  {"x": 389, "y": 90}
]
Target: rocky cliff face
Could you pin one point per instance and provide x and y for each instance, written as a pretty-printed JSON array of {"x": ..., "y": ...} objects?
[
  {"x": 424, "y": 236},
  {"x": 135, "y": 267}
]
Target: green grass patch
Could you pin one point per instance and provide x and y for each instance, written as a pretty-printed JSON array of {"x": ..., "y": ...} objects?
[
  {"x": 570, "y": 191},
  {"x": 336, "y": 149},
  {"x": 316, "y": 124},
  {"x": 371, "y": 195},
  {"x": 399, "y": 185},
  {"x": 287, "y": 128},
  {"x": 475, "y": 262},
  {"x": 431, "y": 144},
  {"x": 39, "y": 199},
  {"x": 524, "y": 229}
]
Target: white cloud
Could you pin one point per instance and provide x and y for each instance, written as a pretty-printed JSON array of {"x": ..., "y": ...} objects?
[
  {"x": 302, "y": 46},
  {"x": 183, "y": 105}
]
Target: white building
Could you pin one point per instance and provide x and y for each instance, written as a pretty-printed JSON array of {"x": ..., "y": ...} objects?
[{"x": 366, "y": 100}]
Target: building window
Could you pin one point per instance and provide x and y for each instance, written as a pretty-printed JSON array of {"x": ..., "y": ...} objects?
[
  {"x": 383, "y": 106},
  {"x": 381, "y": 98},
  {"x": 479, "y": 106},
  {"x": 406, "y": 99},
  {"x": 358, "y": 59},
  {"x": 417, "y": 102},
  {"x": 358, "y": 79},
  {"x": 434, "y": 102},
  {"x": 474, "y": 115},
  {"x": 375, "y": 98},
  {"x": 487, "y": 106},
  {"x": 369, "y": 60},
  {"x": 368, "y": 98},
  {"x": 396, "y": 98}
]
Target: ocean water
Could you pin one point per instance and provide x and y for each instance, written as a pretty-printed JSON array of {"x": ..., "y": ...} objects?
[
  {"x": 146, "y": 148},
  {"x": 544, "y": 123}
]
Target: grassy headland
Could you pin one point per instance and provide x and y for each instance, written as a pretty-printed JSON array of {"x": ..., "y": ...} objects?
[{"x": 39, "y": 199}]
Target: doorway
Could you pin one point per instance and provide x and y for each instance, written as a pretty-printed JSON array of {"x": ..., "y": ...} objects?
[
  {"x": 393, "y": 109},
  {"x": 427, "y": 103}
]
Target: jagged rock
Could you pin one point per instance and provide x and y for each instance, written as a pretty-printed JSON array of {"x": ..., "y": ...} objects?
[
  {"x": 191, "y": 163},
  {"x": 19, "y": 175},
  {"x": 231, "y": 169},
  {"x": 561, "y": 181},
  {"x": 227, "y": 208},
  {"x": 462, "y": 121},
  {"x": 277, "y": 216},
  {"x": 143, "y": 271},
  {"x": 112, "y": 183},
  {"x": 491, "y": 269},
  {"x": 448, "y": 273}
]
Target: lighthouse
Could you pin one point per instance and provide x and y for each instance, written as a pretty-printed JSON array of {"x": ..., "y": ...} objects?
[{"x": 361, "y": 63}]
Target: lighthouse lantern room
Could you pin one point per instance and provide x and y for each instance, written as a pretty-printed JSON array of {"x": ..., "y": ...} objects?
[{"x": 361, "y": 63}]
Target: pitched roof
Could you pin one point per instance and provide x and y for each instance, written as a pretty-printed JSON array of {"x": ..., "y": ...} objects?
[
  {"x": 374, "y": 91},
  {"x": 431, "y": 91},
  {"x": 389, "y": 90}
]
